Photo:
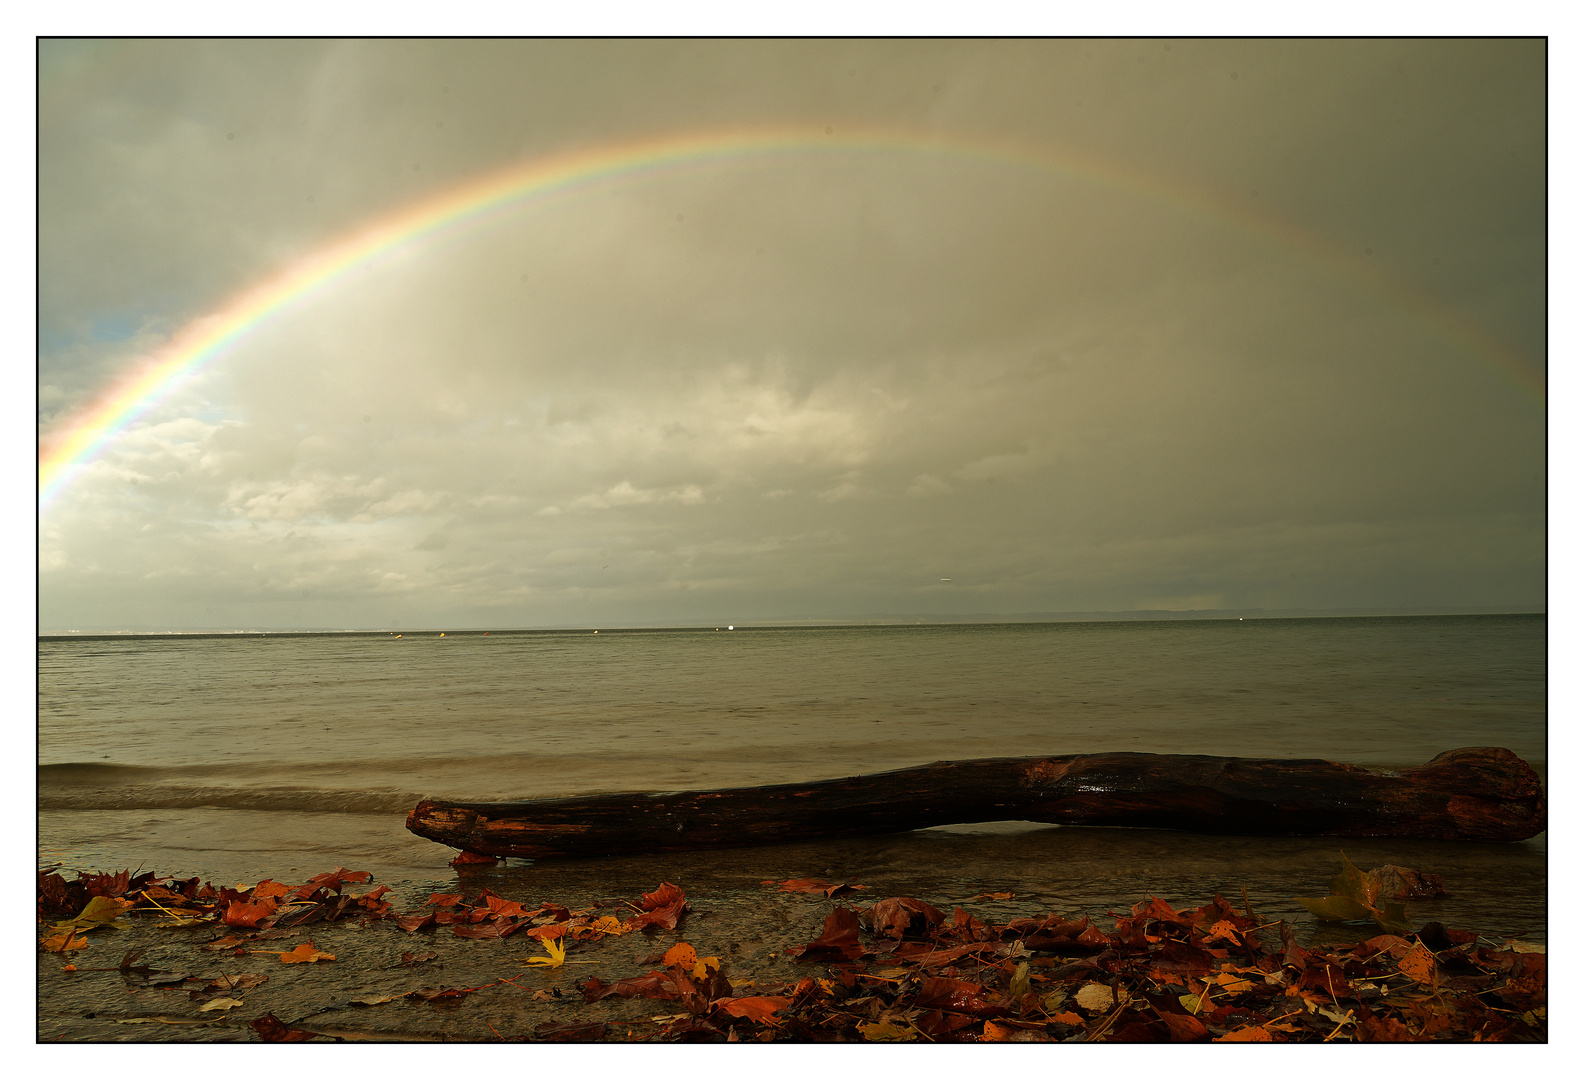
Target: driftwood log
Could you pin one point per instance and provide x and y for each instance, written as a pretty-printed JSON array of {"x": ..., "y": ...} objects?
[{"x": 1477, "y": 793}]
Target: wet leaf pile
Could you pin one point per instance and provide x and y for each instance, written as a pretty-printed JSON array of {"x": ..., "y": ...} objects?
[{"x": 896, "y": 970}]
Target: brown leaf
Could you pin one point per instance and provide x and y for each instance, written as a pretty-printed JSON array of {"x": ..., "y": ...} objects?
[
  {"x": 332, "y": 881},
  {"x": 469, "y": 858},
  {"x": 838, "y": 939},
  {"x": 272, "y": 1030},
  {"x": 899, "y": 916},
  {"x": 1401, "y": 883},
  {"x": 1184, "y": 1028},
  {"x": 654, "y": 985},
  {"x": 443, "y": 994},
  {"x": 955, "y": 995}
]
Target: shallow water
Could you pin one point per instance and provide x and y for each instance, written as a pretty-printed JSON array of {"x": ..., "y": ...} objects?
[{"x": 243, "y": 757}]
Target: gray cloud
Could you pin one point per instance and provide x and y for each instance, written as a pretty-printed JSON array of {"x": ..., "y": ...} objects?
[{"x": 812, "y": 383}]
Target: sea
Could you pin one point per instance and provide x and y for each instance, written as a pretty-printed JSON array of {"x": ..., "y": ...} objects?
[{"x": 239, "y": 757}]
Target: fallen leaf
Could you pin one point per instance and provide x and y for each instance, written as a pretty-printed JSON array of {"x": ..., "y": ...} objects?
[
  {"x": 272, "y": 1030},
  {"x": 1336, "y": 909},
  {"x": 1010, "y": 1032},
  {"x": 220, "y": 1004},
  {"x": 1252, "y": 1033},
  {"x": 444, "y": 994},
  {"x": 66, "y": 939},
  {"x": 1418, "y": 964},
  {"x": 1097, "y": 997},
  {"x": 304, "y": 954},
  {"x": 681, "y": 954},
  {"x": 468, "y": 858},
  {"x": 242, "y": 913},
  {"x": 556, "y": 958},
  {"x": 758, "y": 1009},
  {"x": 1183, "y": 1028},
  {"x": 886, "y": 1031}
]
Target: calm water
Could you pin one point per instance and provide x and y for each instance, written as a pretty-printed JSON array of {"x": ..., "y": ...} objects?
[{"x": 242, "y": 757}]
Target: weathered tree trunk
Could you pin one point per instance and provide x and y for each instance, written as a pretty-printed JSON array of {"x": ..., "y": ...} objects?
[{"x": 1477, "y": 793}]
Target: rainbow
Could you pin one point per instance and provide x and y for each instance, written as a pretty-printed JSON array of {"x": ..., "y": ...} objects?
[{"x": 88, "y": 433}]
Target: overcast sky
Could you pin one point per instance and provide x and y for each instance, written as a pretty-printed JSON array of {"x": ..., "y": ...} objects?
[{"x": 1272, "y": 340}]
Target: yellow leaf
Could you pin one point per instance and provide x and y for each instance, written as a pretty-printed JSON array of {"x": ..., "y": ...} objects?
[
  {"x": 556, "y": 958},
  {"x": 219, "y": 1003},
  {"x": 705, "y": 965},
  {"x": 886, "y": 1031},
  {"x": 102, "y": 909}
]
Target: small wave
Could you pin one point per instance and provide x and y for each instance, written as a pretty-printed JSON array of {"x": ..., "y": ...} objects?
[
  {"x": 94, "y": 772},
  {"x": 160, "y": 797}
]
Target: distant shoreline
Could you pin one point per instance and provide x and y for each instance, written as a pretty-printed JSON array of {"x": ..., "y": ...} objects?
[{"x": 856, "y": 622}]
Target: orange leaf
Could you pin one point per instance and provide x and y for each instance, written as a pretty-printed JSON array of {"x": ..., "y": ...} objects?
[
  {"x": 681, "y": 954},
  {"x": 66, "y": 939},
  {"x": 240, "y": 913},
  {"x": 1014, "y": 1032},
  {"x": 269, "y": 890},
  {"x": 1418, "y": 964},
  {"x": 1224, "y": 931},
  {"x": 304, "y": 954},
  {"x": 505, "y": 908},
  {"x": 757, "y": 1009}
]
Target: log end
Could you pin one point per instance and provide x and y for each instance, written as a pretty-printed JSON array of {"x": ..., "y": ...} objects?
[{"x": 1500, "y": 796}]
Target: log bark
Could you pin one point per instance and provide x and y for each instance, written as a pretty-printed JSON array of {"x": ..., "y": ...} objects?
[{"x": 1476, "y": 793}]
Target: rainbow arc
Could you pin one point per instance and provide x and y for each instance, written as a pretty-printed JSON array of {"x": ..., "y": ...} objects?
[{"x": 88, "y": 433}]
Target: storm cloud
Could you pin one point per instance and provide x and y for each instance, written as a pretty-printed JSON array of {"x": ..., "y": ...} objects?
[{"x": 1240, "y": 324}]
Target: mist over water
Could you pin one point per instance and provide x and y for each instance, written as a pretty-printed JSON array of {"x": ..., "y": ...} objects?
[{"x": 211, "y": 754}]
